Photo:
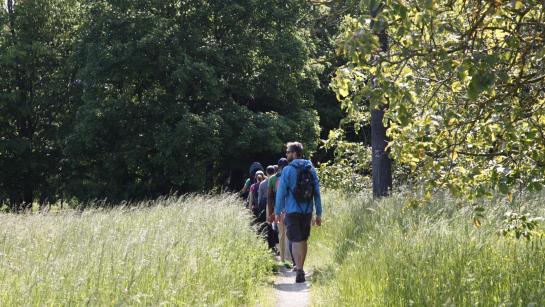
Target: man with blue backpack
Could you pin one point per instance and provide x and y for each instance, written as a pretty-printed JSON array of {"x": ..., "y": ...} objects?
[{"x": 298, "y": 193}]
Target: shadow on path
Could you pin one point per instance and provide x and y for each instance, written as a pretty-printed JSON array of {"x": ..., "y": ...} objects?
[
  {"x": 289, "y": 293},
  {"x": 291, "y": 287}
]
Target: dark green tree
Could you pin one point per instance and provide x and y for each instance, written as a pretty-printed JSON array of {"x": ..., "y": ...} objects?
[
  {"x": 181, "y": 96},
  {"x": 36, "y": 40}
]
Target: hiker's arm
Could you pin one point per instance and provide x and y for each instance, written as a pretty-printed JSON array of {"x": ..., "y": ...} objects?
[
  {"x": 317, "y": 196},
  {"x": 280, "y": 202},
  {"x": 250, "y": 199},
  {"x": 270, "y": 202},
  {"x": 244, "y": 190}
]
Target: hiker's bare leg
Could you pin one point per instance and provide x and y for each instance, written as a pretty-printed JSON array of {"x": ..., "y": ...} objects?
[
  {"x": 300, "y": 253},
  {"x": 297, "y": 249},
  {"x": 304, "y": 248},
  {"x": 282, "y": 239},
  {"x": 287, "y": 247}
]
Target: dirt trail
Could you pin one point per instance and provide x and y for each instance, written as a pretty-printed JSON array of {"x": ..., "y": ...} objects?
[{"x": 288, "y": 293}]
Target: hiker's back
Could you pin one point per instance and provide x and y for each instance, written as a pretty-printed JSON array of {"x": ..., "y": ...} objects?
[
  {"x": 301, "y": 182},
  {"x": 262, "y": 195}
]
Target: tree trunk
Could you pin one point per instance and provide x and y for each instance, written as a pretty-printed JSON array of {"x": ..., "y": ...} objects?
[
  {"x": 9, "y": 5},
  {"x": 381, "y": 163}
]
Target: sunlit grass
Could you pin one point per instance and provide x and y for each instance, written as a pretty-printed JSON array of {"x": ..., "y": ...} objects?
[
  {"x": 382, "y": 254},
  {"x": 174, "y": 251}
]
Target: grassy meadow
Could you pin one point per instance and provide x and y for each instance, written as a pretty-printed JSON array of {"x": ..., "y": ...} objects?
[
  {"x": 190, "y": 251},
  {"x": 383, "y": 254},
  {"x": 202, "y": 251}
]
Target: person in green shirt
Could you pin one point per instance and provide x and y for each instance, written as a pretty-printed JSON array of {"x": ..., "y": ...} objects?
[
  {"x": 272, "y": 188},
  {"x": 272, "y": 183}
]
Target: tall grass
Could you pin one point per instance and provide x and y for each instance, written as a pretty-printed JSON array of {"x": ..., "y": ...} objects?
[
  {"x": 382, "y": 254},
  {"x": 174, "y": 251}
]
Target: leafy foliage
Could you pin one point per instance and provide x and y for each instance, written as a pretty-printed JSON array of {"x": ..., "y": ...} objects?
[
  {"x": 521, "y": 225},
  {"x": 349, "y": 170},
  {"x": 463, "y": 81}
]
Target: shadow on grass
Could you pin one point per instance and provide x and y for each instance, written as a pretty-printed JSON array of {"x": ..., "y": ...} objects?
[{"x": 323, "y": 275}]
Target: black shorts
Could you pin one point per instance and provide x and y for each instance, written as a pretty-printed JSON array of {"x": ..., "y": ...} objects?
[{"x": 298, "y": 226}]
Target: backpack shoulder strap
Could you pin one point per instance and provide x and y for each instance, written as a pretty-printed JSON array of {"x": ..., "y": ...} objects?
[{"x": 296, "y": 176}]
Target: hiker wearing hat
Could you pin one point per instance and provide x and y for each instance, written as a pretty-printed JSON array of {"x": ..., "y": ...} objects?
[{"x": 298, "y": 193}]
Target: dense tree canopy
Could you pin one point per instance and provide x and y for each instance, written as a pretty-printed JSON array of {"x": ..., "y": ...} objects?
[
  {"x": 173, "y": 89},
  {"x": 130, "y": 99}
]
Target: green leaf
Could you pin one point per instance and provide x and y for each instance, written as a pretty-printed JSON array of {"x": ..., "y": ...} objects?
[
  {"x": 480, "y": 82},
  {"x": 503, "y": 188}
]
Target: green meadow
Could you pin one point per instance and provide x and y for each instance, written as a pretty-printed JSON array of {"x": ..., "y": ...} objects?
[
  {"x": 192, "y": 251},
  {"x": 371, "y": 253},
  {"x": 203, "y": 251}
]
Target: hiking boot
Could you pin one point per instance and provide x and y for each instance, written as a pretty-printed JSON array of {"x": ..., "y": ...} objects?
[{"x": 300, "y": 278}]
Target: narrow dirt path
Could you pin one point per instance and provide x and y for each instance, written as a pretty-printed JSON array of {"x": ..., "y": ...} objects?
[{"x": 288, "y": 293}]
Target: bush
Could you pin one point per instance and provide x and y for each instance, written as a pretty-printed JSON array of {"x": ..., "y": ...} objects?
[{"x": 350, "y": 169}]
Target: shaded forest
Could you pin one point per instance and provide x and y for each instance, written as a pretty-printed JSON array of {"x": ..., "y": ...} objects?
[{"x": 135, "y": 99}]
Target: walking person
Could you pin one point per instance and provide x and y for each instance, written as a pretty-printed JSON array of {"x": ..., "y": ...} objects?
[
  {"x": 283, "y": 244},
  {"x": 298, "y": 193},
  {"x": 245, "y": 191},
  {"x": 266, "y": 229},
  {"x": 253, "y": 197}
]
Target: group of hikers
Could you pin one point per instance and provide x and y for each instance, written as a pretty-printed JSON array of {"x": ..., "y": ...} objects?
[{"x": 282, "y": 198}]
